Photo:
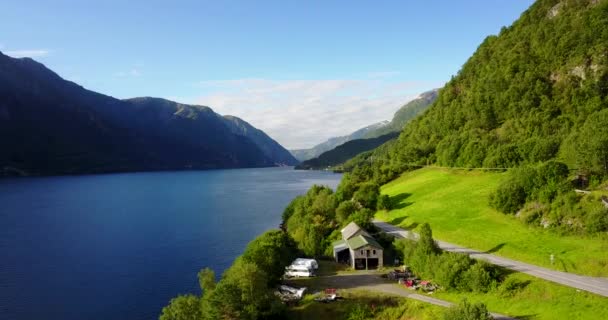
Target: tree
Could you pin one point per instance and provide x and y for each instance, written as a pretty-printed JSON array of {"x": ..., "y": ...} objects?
[
  {"x": 468, "y": 311},
  {"x": 592, "y": 143},
  {"x": 206, "y": 280},
  {"x": 384, "y": 202},
  {"x": 344, "y": 210},
  {"x": 182, "y": 307},
  {"x": 367, "y": 195},
  {"x": 271, "y": 252}
]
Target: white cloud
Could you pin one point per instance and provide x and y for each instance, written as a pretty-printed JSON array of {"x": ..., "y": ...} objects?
[
  {"x": 133, "y": 73},
  {"x": 302, "y": 113},
  {"x": 33, "y": 53}
]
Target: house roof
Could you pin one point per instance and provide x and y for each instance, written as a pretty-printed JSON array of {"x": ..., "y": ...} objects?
[
  {"x": 350, "y": 230},
  {"x": 361, "y": 241}
]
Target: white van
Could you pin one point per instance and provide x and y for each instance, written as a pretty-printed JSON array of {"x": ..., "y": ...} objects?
[{"x": 310, "y": 263}]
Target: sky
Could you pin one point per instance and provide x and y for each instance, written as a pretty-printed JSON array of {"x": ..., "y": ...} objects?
[{"x": 302, "y": 71}]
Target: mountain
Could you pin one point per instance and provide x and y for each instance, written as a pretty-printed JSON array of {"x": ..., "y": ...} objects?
[
  {"x": 272, "y": 149},
  {"x": 405, "y": 114},
  {"x": 537, "y": 91},
  {"x": 305, "y": 154},
  {"x": 345, "y": 151},
  {"x": 52, "y": 126}
]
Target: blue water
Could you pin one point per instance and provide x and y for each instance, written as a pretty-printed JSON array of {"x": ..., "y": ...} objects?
[{"x": 119, "y": 246}]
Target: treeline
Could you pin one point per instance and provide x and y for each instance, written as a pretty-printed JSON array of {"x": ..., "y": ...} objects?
[
  {"x": 544, "y": 195},
  {"x": 245, "y": 290}
]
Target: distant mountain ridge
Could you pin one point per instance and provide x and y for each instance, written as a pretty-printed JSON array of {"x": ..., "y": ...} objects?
[
  {"x": 52, "y": 126},
  {"x": 345, "y": 151},
  {"x": 305, "y": 154},
  {"x": 406, "y": 113}
]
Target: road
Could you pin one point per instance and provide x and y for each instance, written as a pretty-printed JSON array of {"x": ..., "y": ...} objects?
[
  {"x": 372, "y": 281},
  {"x": 591, "y": 284}
]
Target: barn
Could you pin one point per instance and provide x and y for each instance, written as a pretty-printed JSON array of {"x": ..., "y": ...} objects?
[{"x": 358, "y": 249}]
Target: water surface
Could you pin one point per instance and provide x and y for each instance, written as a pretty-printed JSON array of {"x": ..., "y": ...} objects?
[{"x": 119, "y": 246}]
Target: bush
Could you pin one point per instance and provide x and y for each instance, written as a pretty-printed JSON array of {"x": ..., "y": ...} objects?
[
  {"x": 468, "y": 311},
  {"x": 477, "y": 278}
]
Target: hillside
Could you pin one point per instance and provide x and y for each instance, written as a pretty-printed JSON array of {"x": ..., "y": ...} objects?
[
  {"x": 537, "y": 91},
  {"x": 52, "y": 126},
  {"x": 306, "y": 154},
  {"x": 345, "y": 151},
  {"x": 454, "y": 203}
]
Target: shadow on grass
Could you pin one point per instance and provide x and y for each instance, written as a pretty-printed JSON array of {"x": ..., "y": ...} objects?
[
  {"x": 398, "y": 201},
  {"x": 496, "y": 248},
  {"x": 527, "y": 316},
  {"x": 397, "y": 221}
]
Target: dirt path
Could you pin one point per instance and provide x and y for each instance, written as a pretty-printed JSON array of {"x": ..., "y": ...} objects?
[{"x": 592, "y": 284}]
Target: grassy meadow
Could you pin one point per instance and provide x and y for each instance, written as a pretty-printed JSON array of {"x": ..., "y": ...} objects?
[{"x": 455, "y": 204}]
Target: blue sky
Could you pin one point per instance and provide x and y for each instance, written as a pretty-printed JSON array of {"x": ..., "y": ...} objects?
[{"x": 302, "y": 71}]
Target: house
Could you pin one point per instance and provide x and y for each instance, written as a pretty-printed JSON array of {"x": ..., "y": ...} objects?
[{"x": 358, "y": 248}]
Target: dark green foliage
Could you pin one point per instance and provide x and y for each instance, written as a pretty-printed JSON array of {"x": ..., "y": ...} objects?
[
  {"x": 468, "y": 311},
  {"x": 183, "y": 307},
  {"x": 541, "y": 182},
  {"x": 452, "y": 271}
]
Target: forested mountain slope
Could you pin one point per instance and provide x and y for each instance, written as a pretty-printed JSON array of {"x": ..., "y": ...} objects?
[{"x": 537, "y": 91}]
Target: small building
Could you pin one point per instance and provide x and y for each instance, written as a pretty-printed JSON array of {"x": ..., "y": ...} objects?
[{"x": 358, "y": 249}]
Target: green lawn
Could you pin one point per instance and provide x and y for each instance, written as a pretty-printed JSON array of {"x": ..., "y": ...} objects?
[
  {"x": 455, "y": 204},
  {"x": 539, "y": 300}
]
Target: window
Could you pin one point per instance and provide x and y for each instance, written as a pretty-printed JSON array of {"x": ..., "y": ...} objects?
[
  {"x": 368, "y": 253},
  {"x": 361, "y": 252},
  {"x": 374, "y": 252}
]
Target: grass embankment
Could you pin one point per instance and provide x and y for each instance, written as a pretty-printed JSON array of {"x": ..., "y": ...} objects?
[
  {"x": 381, "y": 307},
  {"x": 532, "y": 298},
  {"x": 455, "y": 204}
]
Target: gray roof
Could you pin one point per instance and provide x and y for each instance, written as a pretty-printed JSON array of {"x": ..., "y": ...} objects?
[
  {"x": 361, "y": 241},
  {"x": 350, "y": 230}
]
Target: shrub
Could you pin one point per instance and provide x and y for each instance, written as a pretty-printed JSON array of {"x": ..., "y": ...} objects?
[{"x": 468, "y": 311}]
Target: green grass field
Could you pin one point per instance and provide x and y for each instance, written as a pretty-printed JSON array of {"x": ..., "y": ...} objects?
[{"x": 455, "y": 204}]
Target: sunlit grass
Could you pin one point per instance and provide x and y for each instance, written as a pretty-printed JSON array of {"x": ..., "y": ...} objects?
[{"x": 455, "y": 204}]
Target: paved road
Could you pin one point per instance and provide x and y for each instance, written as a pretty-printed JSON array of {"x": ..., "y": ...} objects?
[
  {"x": 372, "y": 281},
  {"x": 591, "y": 284}
]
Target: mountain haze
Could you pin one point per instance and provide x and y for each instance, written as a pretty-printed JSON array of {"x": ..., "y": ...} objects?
[{"x": 52, "y": 126}]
